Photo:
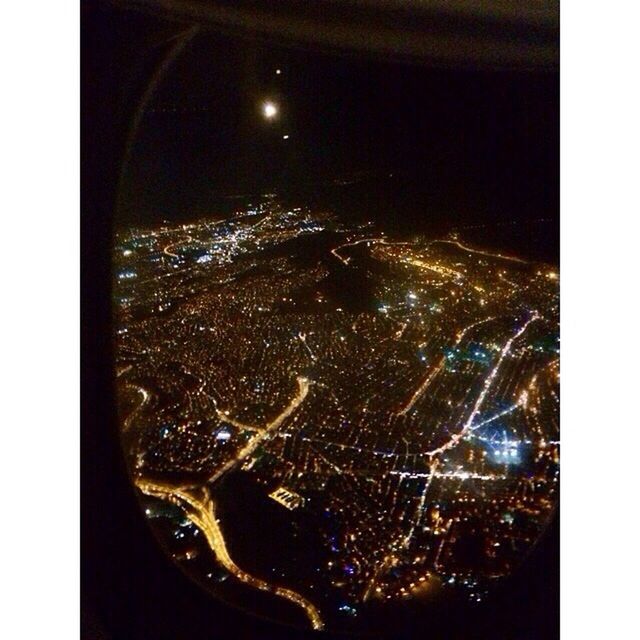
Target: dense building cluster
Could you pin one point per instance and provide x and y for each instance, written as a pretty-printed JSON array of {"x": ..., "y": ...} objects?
[{"x": 405, "y": 393}]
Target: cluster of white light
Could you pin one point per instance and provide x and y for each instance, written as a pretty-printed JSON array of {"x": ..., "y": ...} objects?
[{"x": 270, "y": 110}]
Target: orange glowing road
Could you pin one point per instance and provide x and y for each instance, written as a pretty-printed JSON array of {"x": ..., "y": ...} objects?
[
  {"x": 170, "y": 253},
  {"x": 240, "y": 425},
  {"x": 355, "y": 242},
  {"x": 482, "y": 253},
  {"x": 468, "y": 425},
  {"x": 201, "y": 511},
  {"x": 145, "y": 399},
  {"x": 251, "y": 446},
  {"x": 436, "y": 370}
]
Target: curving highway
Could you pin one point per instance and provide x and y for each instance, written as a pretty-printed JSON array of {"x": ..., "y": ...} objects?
[{"x": 201, "y": 510}]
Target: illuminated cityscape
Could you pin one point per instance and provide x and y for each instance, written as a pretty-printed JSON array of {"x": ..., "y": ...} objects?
[{"x": 324, "y": 421}]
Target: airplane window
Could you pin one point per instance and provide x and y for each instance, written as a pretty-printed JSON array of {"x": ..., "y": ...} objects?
[{"x": 336, "y": 308}]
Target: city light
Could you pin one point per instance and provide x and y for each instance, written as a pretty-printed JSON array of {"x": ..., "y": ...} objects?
[{"x": 396, "y": 398}]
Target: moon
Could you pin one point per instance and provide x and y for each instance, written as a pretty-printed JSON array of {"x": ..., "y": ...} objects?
[{"x": 269, "y": 110}]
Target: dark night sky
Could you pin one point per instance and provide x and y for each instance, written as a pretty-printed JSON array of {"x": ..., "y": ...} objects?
[{"x": 473, "y": 146}]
